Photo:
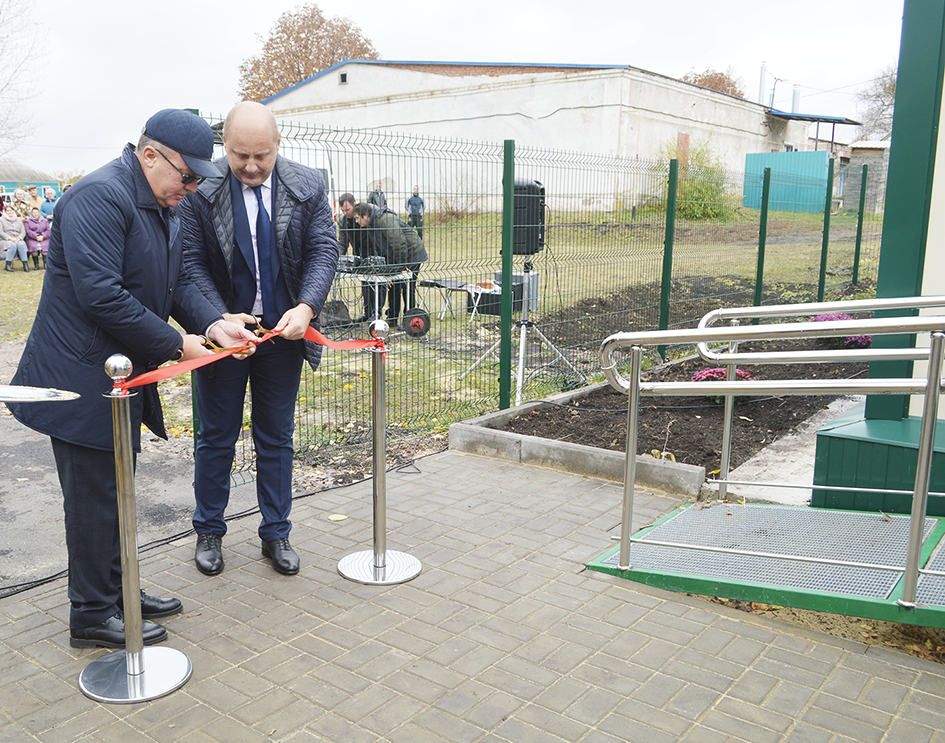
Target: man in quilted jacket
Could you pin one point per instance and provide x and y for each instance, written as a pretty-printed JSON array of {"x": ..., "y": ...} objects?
[{"x": 259, "y": 242}]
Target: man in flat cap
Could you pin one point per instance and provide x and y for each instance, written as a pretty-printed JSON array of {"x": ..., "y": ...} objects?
[{"x": 114, "y": 275}]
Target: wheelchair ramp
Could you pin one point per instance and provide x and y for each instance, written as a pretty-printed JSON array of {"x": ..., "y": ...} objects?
[{"x": 769, "y": 554}]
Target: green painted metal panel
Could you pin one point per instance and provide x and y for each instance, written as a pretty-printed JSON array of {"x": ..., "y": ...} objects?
[
  {"x": 798, "y": 180},
  {"x": 909, "y": 180},
  {"x": 859, "y": 453}
]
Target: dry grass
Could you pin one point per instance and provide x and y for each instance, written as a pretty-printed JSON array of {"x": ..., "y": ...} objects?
[{"x": 19, "y": 297}]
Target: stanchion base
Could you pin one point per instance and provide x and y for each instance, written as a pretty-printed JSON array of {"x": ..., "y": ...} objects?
[
  {"x": 106, "y": 679},
  {"x": 359, "y": 567}
]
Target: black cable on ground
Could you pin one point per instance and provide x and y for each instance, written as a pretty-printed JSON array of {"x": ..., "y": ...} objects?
[{"x": 15, "y": 588}]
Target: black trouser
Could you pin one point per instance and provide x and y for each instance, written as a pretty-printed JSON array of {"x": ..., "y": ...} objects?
[
  {"x": 416, "y": 221},
  {"x": 403, "y": 291},
  {"x": 90, "y": 503}
]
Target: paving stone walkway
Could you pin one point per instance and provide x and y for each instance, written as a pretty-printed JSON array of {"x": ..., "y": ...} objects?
[{"x": 503, "y": 637}]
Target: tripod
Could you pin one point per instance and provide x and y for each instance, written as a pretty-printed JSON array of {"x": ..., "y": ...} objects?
[{"x": 524, "y": 325}]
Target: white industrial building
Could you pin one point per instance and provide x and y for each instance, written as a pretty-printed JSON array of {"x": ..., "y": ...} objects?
[{"x": 614, "y": 110}]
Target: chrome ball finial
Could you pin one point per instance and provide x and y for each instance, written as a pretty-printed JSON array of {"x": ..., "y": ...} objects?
[
  {"x": 118, "y": 367},
  {"x": 379, "y": 329}
]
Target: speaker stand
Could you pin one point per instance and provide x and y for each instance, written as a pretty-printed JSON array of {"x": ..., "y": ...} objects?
[{"x": 525, "y": 325}]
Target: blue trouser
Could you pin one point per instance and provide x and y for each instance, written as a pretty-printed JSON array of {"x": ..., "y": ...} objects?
[
  {"x": 273, "y": 373},
  {"x": 15, "y": 249}
]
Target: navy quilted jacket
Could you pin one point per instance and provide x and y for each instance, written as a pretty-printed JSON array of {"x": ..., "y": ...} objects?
[
  {"x": 114, "y": 274},
  {"x": 305, "y": 238}
]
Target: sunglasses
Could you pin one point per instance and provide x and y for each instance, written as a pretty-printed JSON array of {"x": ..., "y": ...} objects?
[{"x": 185, "y": 178}]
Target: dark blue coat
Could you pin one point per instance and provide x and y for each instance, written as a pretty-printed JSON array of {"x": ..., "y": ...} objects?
[
  {"x": 306, "y": 245},
  {"x": 114, "y": 274}
]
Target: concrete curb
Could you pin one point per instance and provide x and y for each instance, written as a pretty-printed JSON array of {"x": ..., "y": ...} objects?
[{"x": 483, "y": 436}]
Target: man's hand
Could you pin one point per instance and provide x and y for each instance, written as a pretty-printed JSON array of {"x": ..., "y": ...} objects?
[
  {"x": 194, "y": 348},
  {"x": 240, "y": 318},
  {"x": 295, "y": 322},
  {"x": 228, "y": 333}
]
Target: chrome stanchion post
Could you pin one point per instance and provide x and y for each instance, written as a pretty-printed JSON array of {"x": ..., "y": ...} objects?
[
  {"x": 137, "y": 673},
  {"x": 379, "y": 458},
  {"x": 630, "y": 463},
  {"x": 380, "y": 566},
  {"x": 731, "y": 374},
  {"x": 923, "y": 467}
]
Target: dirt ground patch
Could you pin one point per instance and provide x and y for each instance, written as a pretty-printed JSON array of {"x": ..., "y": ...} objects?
[{"x": 690, "y": 429}]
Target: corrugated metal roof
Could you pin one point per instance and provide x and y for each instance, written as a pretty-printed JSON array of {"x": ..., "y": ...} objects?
[
  {"x": 16, "y": 172},
  {"x": 812, "y": 117},
  {"x": 514, "y": 67},
  {"x": 866, "y": 144}
]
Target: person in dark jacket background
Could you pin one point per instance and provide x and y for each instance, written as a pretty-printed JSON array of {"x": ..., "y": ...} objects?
[
  {"x": 114, "y": 275},
  {"x": 415, "y": 206},
  {"x": 401, "y": 246},
  {"x": 374, "y": 293},
  {"x": 377, "y": 196},
  {"x": 259, "y": 242}
]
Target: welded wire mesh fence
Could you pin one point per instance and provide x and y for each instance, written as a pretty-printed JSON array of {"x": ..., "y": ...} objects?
[{"x": 604, "y": 267}]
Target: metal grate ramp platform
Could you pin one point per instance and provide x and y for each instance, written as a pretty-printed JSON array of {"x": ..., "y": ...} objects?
[
  {"x": 868, "y": 551},
  {"x": 931, "y": 588}
]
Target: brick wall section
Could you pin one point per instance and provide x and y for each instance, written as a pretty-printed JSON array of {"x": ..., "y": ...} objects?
[{"x": 878, "y": 160}]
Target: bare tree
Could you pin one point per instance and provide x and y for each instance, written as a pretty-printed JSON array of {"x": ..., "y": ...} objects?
[
  {"x": 301, "y": 43},
  {"x": 68, "y": 177},
  {"x": 17, "y": 50},
  {"x": 876, "y": 104},
  {"x": 724, "y": 82}
]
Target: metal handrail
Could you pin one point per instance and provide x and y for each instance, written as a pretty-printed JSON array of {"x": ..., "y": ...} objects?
[
  {"x": 741, "y": 334},
  {"x": 736, "y": 314},
  {"x": 702, "y": 336}
]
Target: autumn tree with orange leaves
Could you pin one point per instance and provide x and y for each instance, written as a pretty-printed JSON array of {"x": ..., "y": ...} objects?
[
  {"x": 301, "y": 43},
  {"x": 724, "y": 82}
]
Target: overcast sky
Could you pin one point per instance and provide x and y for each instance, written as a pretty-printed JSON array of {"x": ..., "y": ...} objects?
[{"x": 104, "y": 66}]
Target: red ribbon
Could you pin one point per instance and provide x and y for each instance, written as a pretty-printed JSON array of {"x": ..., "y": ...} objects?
[{"x": 173, "y": 370}]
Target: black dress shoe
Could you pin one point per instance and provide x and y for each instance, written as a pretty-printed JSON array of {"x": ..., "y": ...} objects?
[
  {"x": 111, "y": 634},
  {"x": 153, "y": 607},
  {"x": 209, "y": 554},
  {"x": 284, "y": 559}
]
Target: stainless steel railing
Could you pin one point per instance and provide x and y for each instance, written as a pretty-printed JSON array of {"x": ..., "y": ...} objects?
[{"x": 706, "y": 335}]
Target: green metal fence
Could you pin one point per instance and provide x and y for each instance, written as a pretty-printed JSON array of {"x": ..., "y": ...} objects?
[{"x": 622, "y": 251}]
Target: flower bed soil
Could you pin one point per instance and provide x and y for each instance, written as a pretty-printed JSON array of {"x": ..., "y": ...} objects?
[{"x": 689, "y": 428}]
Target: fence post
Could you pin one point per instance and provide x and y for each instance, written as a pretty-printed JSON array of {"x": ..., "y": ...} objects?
[
  {"x": 668, "y": 249},
  {"x": 505, "y": 323},
  {"x": 762, "y": 238},
  {"x": 193, "y": 408},
  {"x": 859, "y": 226},
  {"x": 828, "y": 204}
]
